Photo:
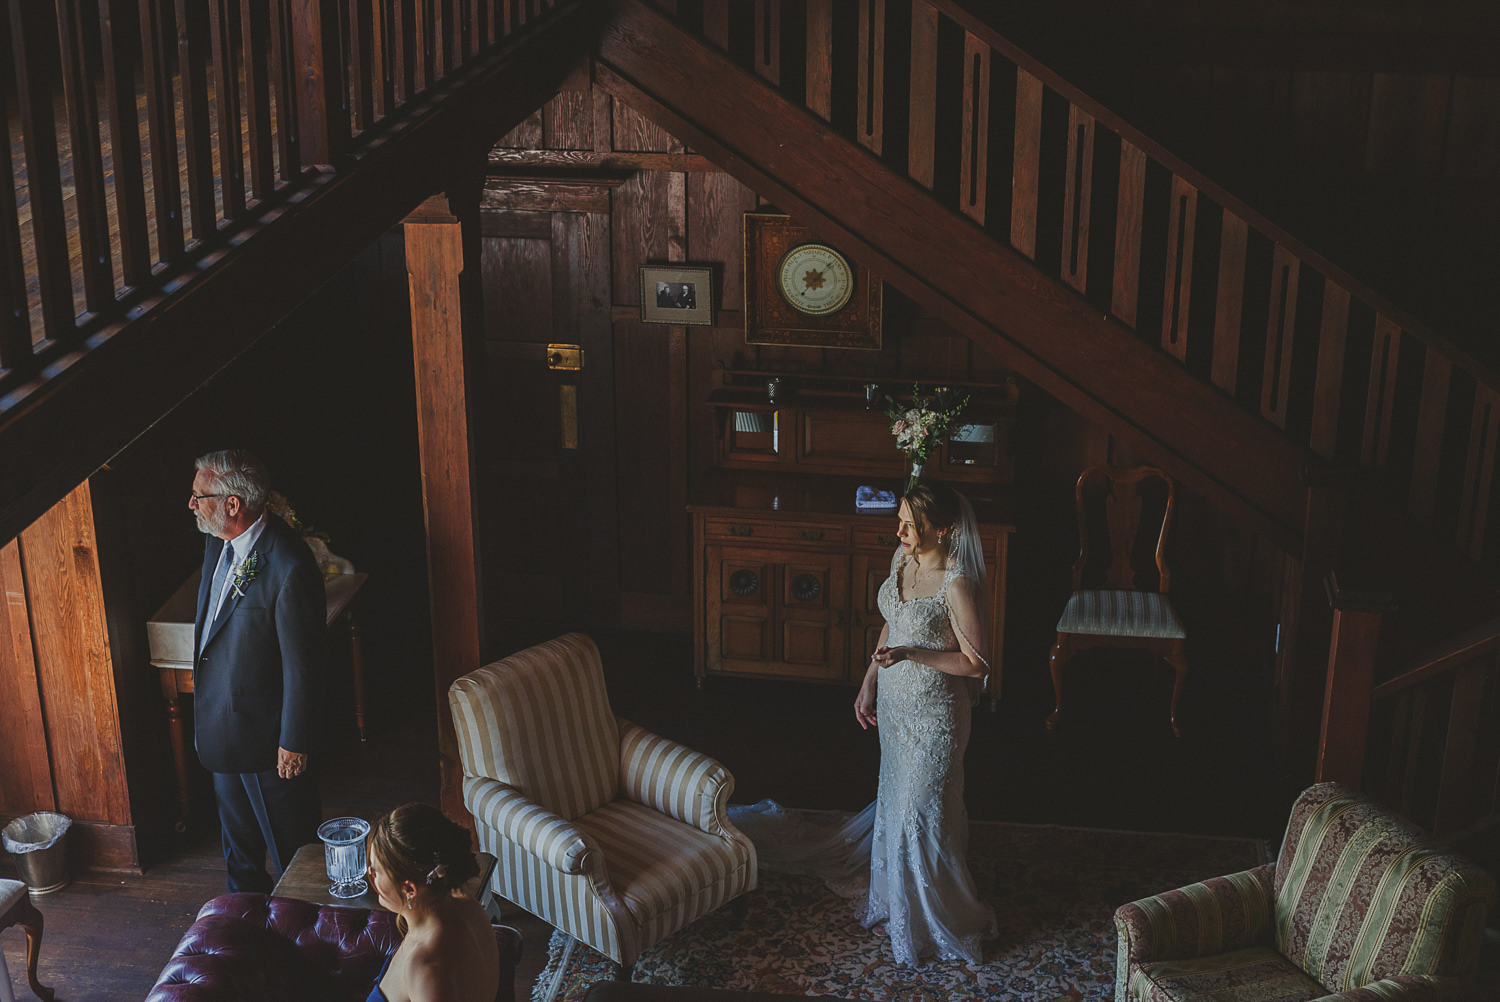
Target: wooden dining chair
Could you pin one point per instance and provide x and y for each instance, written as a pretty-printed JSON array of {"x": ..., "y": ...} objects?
[{"x": 1127, "y": 611}]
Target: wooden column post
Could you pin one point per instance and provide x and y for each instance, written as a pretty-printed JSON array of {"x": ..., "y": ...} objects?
[
  {"x": 443, "y": 346},
  {"x": 1357, "y": 611},
  {"x": 1304, "y": 628}
]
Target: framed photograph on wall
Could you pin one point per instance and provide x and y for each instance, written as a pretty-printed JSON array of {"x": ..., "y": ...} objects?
[{"x": 673, "y": 294}]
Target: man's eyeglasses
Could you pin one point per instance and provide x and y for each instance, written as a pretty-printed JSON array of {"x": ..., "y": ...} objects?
[{"x": 204, "y": 497}]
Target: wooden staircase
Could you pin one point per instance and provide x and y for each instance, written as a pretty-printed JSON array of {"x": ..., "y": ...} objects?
[
  {"x": 1070, "y": 245},
  {"x": 307, "y": 128}
]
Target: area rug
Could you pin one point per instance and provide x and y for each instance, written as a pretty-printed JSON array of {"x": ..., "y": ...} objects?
[{"x": 1055, "y": 891}]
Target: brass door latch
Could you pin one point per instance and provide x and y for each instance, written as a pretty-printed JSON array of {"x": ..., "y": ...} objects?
[{"x": 564, "y": 356}]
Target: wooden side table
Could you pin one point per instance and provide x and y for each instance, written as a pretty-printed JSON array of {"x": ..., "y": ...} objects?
[
  {"x": 306, "y": 879},
  {"x": 170, "y": 634}
]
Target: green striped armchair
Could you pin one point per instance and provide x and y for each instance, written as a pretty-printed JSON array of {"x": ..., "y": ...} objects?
[
  {"x": 614, "y": 835},
  {"x": 1359, "y": 906}
]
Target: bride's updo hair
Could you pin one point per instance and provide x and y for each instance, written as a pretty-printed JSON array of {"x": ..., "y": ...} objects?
[
  {"x": 417, "y": 842},
  {"x": 933, "y": 505}
]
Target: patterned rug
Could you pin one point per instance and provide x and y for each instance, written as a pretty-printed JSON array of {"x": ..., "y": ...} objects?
[{"x": 1054, "y": 889}]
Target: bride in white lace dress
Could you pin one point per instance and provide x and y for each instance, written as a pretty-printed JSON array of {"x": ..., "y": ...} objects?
[{"x": 910, "y": 846}]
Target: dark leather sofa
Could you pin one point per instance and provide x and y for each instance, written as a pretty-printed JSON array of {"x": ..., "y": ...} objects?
[{"x": 245, "y": 947}]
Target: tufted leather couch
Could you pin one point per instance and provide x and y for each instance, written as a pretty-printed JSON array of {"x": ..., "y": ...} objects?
[{"x": 256, "y": 948}]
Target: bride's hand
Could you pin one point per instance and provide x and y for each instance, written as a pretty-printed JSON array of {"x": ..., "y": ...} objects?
[
  {"x": 864, "y": 708},
  {"x": 887, "y": 656}
]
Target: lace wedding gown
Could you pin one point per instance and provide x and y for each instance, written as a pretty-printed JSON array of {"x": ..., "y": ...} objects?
[{"x": 909, "y": 848}]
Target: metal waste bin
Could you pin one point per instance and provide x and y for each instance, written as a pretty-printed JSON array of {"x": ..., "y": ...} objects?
[{"x": 37, "y": 845}]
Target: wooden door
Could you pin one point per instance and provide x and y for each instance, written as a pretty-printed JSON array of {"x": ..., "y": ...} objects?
[
  {"x": 812, "y": 615},
  {"x": 546, "y": 443},
  {"x": 739, "y": 609},
  {"x": 868, "y": 571}
]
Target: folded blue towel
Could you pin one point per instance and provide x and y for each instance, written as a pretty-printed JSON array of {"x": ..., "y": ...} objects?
[{"x": 867, "y": 498}]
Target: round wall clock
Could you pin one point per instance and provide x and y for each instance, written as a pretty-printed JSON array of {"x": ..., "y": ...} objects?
[{"x": 815, "y": 279}]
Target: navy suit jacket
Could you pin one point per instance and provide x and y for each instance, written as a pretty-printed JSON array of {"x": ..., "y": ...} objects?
[{"x": 258, "y": 680}]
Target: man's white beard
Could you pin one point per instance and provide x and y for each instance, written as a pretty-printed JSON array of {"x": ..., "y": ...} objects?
[{"x": 210, "y": 526}]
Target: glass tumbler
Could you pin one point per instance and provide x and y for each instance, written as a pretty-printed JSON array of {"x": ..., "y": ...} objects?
[{"x": 344, "y": 855}]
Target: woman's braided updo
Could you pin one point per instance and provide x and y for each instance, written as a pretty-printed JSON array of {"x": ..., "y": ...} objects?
[{"x": 418, "y": 842}]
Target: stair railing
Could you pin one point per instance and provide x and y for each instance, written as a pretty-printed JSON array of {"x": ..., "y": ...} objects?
[
  {"x": 992, "y": 134},
  {"x": 1435, "y": 737},
  {"x": 143, "y": 136}
]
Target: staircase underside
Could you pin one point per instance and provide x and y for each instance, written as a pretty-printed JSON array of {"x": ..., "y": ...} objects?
[
  {"x": 86, "y": 408},
  {"x": 1039, "y": 326}
]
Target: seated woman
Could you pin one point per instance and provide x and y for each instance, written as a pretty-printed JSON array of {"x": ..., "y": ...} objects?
[{"x": 419, "y": 862}]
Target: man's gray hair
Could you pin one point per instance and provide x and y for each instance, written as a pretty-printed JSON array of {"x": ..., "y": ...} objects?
[{"x": 238, "y": 472}]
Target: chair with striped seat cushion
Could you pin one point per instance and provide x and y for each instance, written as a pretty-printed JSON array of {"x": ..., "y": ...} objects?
[
  {"x": 616, "y": 836},
  {"x": 1132, "y": 609},
  {"x": 1358, "y": 906}
]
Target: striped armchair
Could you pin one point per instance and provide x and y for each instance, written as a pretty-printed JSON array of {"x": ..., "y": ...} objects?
[
  {"x": 614, "y": 835},
  {"x": 1358, "y": 907}
]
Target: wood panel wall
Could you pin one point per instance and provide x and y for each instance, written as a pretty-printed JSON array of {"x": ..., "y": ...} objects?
[
  {"x": 60, "y": 736},
  {"x": 646, "y": 428}
]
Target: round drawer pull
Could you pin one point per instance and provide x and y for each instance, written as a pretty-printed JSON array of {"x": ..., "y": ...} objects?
[
  {"x": 806, "y": 587},
  {"x": 744, "y": 583}
]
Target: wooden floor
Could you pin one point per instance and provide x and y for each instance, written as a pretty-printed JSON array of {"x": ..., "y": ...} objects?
[{"x": 1114, "y": 765}]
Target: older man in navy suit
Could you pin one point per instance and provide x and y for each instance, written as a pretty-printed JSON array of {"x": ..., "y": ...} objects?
[{"x": 261, "y": 646}]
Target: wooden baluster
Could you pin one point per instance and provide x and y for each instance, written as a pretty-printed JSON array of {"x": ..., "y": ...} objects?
[
  {"x": 820, "y": 58},
  {"x": 380, "y": 58},
  {"x": 922, "y": 117},
  {"x": 161, "y": 123},
  {"x": 1395, "y": 768},
  {"x": 255, "y": 33},
  {"x": 768, "y": 40},
  {"x": 322, "y": 110},
  {"x": 1125, "y": 298},
  {"x": 117, "y": 39},
  {"x": 1229, "y": 302},
  {"x": 1181, "y": 226},
  {"x": 192, "y": 63},
  {"x": 1077, "y": 195},
  {"x": 1330, "y": 379},
  {"x": 1458, "y": 749},
  {"x": 869, "y": 129},
  {"x": 403, "y": 56},
  {"x": 1281, "y": 327},
  {"x": 716, "y": 22},
  {"x": 1351, "y": 674},
  {"x": 1431, "y": 419},
  {"x": 1027, "y": 163},
  {"x": 442, "y": 38},
  {"x": 975, "y": 152},
  {"x": 87, "y": 154},
  {"x": 49, "y": 225},
  {"x": 1411, "y": 778},
  {"x": 283, "y": 88},
  {"x": 15, "y": 314},
  {"x": 224, "y": 37},
  {"x": 421, "y": 41},
  {"x": 362, "y": 64},
  {"x": 1479, "y": 472},
  {"x": 1382, "y": 393}
]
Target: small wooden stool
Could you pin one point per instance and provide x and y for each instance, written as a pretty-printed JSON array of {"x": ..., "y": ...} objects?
[{"x": 16, "y": 909}]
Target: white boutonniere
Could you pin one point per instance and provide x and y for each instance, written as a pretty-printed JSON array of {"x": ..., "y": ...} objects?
[{"x": 245, "y": 573}]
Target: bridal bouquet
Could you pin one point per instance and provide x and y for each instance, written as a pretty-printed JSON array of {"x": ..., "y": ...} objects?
[{"x": 925, "y": 423}]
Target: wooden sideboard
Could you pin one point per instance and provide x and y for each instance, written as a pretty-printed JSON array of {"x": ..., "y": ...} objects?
[{"x": 786, "y": 574}]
